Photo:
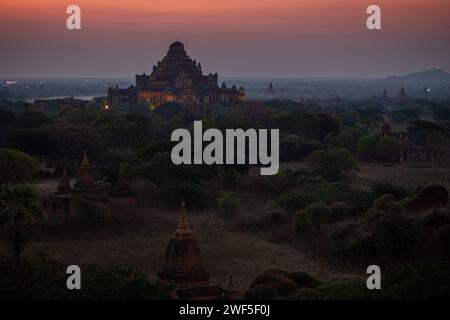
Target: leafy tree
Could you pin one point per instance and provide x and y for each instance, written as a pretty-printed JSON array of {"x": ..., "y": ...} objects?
[
  {"x": 439, "y": 144},
  {"x": 38, "y": 277},
  {"x": 30, "y": 118},
  {"x": 339, "y": 158},
  {"x": 367, "y": 146},
  {"x": 388, "y": 149},
  {"x": 16, "y": 166},
  {"x": 318, "y": 214},
  {"x": 318, "y": 126},
  {"x": 348, "y": 138},
  {"x": 18, "y": 210},
  {"x": 229, "y": 203},
  {"x": 293, "y": 147}
]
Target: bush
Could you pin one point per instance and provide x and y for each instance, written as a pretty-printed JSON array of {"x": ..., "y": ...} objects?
[
  {"x": 229, "y": 203},
  {"x": 352, "y": 240},
  {"x": 318, "y": 214},
  {"x": 16, "y": 166},
  {"x": 275, "y": 282},
  {"x": 436, "y": 218},
  {"x": 230, "y": 177},
  {"x": 388, "y": 149},
  {"x": 340, "y": 211},
  {"x": 329, "y": 193},
  {"x": 420, "y": 280},
  {"x": 194, "y": 195},
  {"x": 302, "y": 224},
  {"x": 41, "y": 278},
  {"x": 338, "y": 160},
  {"x": 381, "y": 188},
  {"x": 367, "y": 146},
  {"x": 394, "y": 234},
  {"x": 433, "y": 196},
  {"x": 354, "y": 290}
]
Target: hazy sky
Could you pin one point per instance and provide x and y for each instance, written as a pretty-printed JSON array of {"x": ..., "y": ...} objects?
[{"x": 275, "y": 38}]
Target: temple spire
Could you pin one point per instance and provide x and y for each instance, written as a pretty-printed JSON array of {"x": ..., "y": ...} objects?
[
  {"x": 183, "y": 225},
  {"x": 64, "y": 186},
  {"x": 85, "y": 161}
]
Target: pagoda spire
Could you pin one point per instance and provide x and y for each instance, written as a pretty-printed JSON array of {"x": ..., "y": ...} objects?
[
  {"x": 64, "y": 186},
  {"x": 183, "y": 225},
  {"x": 84, "y": 178},
  {"x": 85, "y": 161}
]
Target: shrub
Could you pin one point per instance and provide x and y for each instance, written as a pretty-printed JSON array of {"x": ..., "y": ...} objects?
[
  {"x": 352, "y": 240},
  {"x": 394, "y": 234},
  {"x": 388, "y": 149},
  {"x": 302, "y": 223},
  {"x": 420, "y": 280},
  {"x": 16, "y": 166},
  {"x": 341, "y": 210},
  {"x": 433, "y": 196},
  {"x": 195, "y": 195},
  {"x": 299, "y": 198},
  {"x": 229, "y": 203},
  {"x": 230, "y": 177},
  {"x": 41, "y": 278},
  {"x": 381, "y": 188},
  {"x": 275, "y": 282},
  {"x": 318, "y": 214},
  {"x": 337, "y": 160},
  {"x": 355, "y": 290},
  {"x": 367, "y": 146},
  {"x": 436, "y": 218}
]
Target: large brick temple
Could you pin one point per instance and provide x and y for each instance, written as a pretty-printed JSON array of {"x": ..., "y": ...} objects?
[{"x": 176, "y": 78}]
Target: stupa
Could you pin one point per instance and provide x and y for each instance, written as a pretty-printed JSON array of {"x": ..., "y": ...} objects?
[{"x": 183, "y": 269}]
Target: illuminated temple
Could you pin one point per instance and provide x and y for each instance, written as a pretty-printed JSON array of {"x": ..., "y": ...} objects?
[{"x": 176, "y": 78}]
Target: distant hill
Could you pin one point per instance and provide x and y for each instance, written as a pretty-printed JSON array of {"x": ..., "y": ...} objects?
[{"x": 435, "y": 74}]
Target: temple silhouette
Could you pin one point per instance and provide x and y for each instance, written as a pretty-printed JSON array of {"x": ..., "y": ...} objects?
[
  {"x": 183, "y": 271},
  {"x": 176, "y": 78}
]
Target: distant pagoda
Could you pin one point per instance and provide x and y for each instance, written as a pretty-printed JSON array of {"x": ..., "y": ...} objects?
[
  {"x": 176, "y": 78},
  {"x": 64, "y": 186},
  {"x": 271, "y": 89},
  {"x": 122, "y": 186},
  {"x": 386, "y": 130},
  {"x": 402, "y": 94},
  {"x": 85, "y": 186},
  {"x": 183, "y": 270}
]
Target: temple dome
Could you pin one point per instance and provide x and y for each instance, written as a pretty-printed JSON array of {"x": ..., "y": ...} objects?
[{"x": 177, "y": 45}]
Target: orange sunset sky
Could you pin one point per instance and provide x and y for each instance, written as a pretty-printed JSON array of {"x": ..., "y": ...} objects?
[{"x": 241, "y": 38}]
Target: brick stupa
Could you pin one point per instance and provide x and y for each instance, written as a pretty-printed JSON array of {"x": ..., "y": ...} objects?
[
  {"x": 182, "y": 268},
  {"x": 85, "y": 186},
  {"x": 64, "y": 186}
]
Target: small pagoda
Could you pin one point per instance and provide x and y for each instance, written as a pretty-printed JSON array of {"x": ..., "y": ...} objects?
[
  {"x": 122, "y": 198},
  {"x": 85, "y": 188},
  {"x": 183, "y": 270},
  {"x": 64, "y": 185}
]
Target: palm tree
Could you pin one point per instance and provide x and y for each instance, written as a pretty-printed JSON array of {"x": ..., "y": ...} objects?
[{"x": 18, "y": 210}]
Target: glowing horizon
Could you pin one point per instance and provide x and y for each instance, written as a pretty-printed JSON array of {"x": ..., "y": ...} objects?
[{"x": 284, "y": 38}]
